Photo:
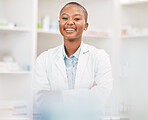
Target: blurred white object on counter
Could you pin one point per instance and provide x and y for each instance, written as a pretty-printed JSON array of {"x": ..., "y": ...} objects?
[
  {"x": 9, "y": 67},
  {"x": 46, "y": 22},
  {"x": 8, "y": 64},
  {"x": 8, "y": 59},
  {"x": 132, "y": 30}
]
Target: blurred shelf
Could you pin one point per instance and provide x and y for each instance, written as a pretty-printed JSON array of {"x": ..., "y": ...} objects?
[
  {"x": 96, "y": 36},
  {"x": 19, "y": 72},
  {"x": 14, "y": 118},
  {"x": 134, "y": 36},
  {"x": 50, "y": 32},
  {"x": 15, "y": 29},
  {"x": 116, "y": 118},
  {"x": 140, "y": 2}
]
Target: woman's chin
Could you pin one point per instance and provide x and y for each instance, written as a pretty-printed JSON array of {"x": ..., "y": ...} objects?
[{"x": 72, "y": 38}]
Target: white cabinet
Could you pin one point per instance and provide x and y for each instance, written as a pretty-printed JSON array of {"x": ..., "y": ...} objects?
[
  {"x": 133, "y": 56},
  {"x": 17, "y": 35},
  {"x": 17, "y": 55}
]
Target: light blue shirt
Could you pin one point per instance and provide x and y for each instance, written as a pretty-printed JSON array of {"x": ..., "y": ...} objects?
[{"x": 71, "y": 66}]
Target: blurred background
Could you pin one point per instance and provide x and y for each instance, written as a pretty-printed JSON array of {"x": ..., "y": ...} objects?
[{"x": 29, "y": 27}]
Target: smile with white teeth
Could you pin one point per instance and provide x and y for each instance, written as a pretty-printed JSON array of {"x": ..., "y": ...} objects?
[{"x": 70, "y": 29}]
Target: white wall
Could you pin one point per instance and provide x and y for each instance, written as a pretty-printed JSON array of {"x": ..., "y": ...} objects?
[
  {"x": 19, "y": 11},
  {"x": 2, "y": 5}
]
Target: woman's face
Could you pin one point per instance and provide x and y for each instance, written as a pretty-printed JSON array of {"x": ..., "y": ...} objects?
[{"x": 72, "y": 22}]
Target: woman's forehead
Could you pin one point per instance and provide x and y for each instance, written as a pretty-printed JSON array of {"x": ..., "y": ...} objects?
[
  {"x": 77, "y": 14},
  {"x": 72, "y": 9}
]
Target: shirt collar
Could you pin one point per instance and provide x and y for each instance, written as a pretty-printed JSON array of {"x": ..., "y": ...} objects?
[{"x": 76, "y": 54}]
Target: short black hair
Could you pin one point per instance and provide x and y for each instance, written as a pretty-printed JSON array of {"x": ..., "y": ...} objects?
[{"x": 75, "y": 3}]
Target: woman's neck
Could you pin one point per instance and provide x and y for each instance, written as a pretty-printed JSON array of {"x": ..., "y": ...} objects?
[{"x": 71, "y": 46}]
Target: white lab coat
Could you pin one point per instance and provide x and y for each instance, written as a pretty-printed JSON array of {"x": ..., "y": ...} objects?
[{"x": 93, "y": 77}]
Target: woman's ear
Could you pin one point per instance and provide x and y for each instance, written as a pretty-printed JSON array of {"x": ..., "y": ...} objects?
[{"x": 86, "y": 26}]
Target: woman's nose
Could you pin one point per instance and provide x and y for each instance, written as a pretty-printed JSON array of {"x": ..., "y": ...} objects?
[{"x": 70, "y": 22}]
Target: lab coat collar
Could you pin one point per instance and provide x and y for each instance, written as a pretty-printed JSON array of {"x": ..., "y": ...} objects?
[
  {"x": 84, "y": 50},
  {"x": 76, "y": 54},
  {"x": 59, "y": 61},
  {"x": 82, "y": 62}
]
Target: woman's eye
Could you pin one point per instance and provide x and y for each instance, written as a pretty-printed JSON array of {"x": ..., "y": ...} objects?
[
  {"x": 64, "y": 18},
  {"x": 76, "y": 19}
]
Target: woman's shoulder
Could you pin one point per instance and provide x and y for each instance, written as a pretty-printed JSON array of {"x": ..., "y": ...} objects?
[
  {"x": 96, "y": 51},
  {"x": 49, "y": 53}
]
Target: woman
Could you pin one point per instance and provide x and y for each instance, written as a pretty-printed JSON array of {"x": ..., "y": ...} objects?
[{"x": 74, "y": 70}]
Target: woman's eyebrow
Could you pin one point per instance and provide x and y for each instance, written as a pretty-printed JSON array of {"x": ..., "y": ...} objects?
[
  {"x": 73, "y": 15},
  {"x": 64, "y": 14}
]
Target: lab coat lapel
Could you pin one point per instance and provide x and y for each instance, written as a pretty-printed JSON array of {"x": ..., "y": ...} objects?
[
  {"x": 60, "y": 63},
  {"x": 82, "y": 62}
]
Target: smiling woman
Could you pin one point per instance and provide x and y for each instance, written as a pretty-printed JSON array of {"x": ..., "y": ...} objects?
[
  {"x": 74, "y": 71},
  {"x": 73, "y": 20}
]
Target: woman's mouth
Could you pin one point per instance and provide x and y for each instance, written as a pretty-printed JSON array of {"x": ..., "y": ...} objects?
[{"x": 69, "y": 30}]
